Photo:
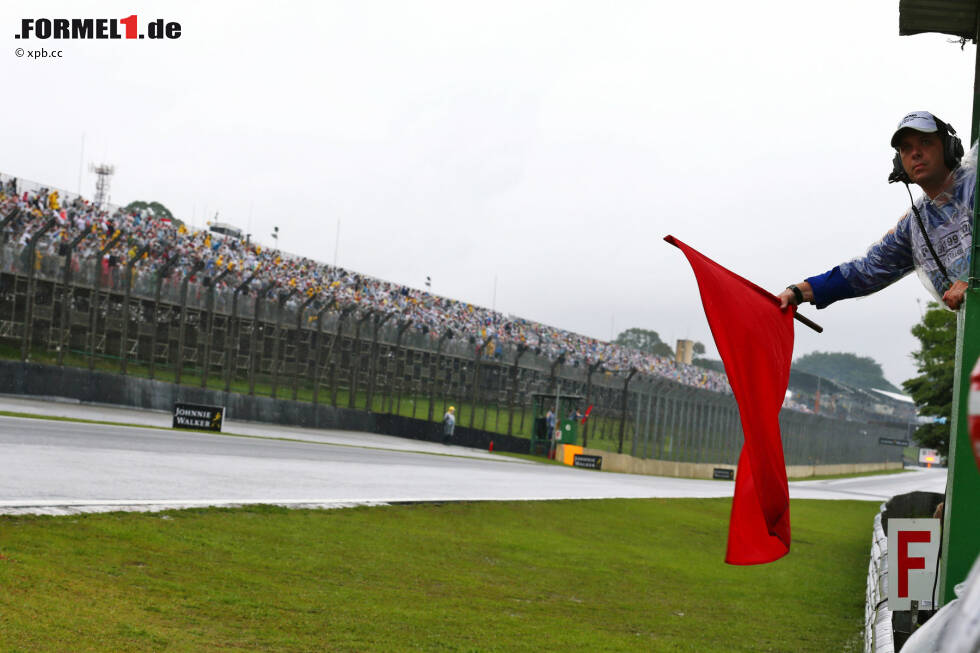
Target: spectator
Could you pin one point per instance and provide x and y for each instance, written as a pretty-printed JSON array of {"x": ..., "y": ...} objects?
[{"x": 448, "y": 425}]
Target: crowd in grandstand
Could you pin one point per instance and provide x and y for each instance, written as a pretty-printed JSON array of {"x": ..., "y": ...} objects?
[{"x": 208, "y": 255}]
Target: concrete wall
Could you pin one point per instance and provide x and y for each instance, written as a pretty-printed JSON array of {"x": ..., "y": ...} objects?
[{"x": 616, "y": 462}]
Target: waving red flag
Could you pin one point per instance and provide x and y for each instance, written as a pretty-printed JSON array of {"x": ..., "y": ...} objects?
[{"x": 755, "y": 340}]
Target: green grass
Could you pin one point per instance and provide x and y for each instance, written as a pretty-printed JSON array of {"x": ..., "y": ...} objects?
[{"x": 618, "y": 575}]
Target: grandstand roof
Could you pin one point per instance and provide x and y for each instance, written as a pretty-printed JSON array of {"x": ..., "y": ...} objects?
[
  {"x": 956, "y": 17},
  {"x": 894, "y": 395}
]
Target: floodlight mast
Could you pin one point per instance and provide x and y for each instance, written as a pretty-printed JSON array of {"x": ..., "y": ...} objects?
[{"x": 104, "y": 171}]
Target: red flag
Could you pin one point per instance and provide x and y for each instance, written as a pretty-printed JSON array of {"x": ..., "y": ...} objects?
[
  {"x": 755, "y": 340},
  {"x": 588, "y": 411}
]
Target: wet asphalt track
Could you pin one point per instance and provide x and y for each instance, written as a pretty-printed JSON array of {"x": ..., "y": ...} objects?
[{"x": 58, "y": 467}]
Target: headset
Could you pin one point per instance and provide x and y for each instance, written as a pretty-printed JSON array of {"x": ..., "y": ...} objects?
[{"x": 952, "y": 153}]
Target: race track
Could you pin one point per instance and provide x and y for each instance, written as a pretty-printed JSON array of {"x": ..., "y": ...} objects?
[{"x": 58, "y": 467}]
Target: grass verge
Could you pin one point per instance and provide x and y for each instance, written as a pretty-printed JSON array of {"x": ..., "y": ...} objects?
[{"x": 616, "y": 575}]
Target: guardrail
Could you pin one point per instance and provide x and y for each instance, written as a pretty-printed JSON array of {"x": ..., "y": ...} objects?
[{"x": 885, "y": 631}]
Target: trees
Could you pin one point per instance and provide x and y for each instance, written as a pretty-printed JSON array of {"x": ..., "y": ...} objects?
[
  {"x": 650, "y": 342},
  {"x": 932, "y": 390},
  {"x": 156, "y": 208},
  {"x": 859, "y": 371},
  {"x": 710, "y": 364},
  {"x": 642, "y": 339}
]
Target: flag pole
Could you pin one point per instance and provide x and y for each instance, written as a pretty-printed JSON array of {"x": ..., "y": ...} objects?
[{"x": 808, "y": 322}]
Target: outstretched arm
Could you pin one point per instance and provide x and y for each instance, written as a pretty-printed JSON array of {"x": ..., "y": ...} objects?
[{"x": 885, "y": 262}]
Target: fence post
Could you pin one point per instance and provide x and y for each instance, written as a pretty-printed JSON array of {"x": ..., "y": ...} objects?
[
  {"x": 475, "y": 394},
  {"x": 553, "y": 378},
  {"x": 379, "y": 320},
  {"x": 231, "y": 353},
  {"x": 210, "y": 330},
  {"x": 95, "y": 297},
  {"x": 688, "y": 411},
  {"x": 64, "y": 342},
  {"x": 734, "y": 430},
  {"x": 332, "y": 354},
  {"x": 677, "y": 422},
  {"x": 593, "y": 368},
  {"x": 277, "y": 337},
  {"x": 253, "y": 345},
  {"x": 197, "y": 267},
  {"x": 162, "y": 276},
  {"x": 448, "y": 334},
  {"x": 400, "y": 370},
  {"x": 660, "y": 422},
  {"x": 232, "y": 347},
  {"x": 6, "y": 220},
  {"x": 299, "y": 327},
  {"x": 676, "y": 406},
  {"x": 123, "y": 349},
  {"x": 709, "y": 430},
  {"x": 704, "y": 410},
  {"x": 646, "y": 428},
  {"x": 622, "y": 422},
  {"x": 25, "y": 342},
  {"x": 636, "y": 428},
  {"x": 319, "y": 349},
  {"x": 692, "y": 416},
  {"x": 355, "y": 363},
  {"x": 514, "y": 370}
]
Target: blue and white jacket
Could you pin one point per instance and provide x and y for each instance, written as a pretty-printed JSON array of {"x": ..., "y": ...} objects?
[{"x": 948, "y": 219}]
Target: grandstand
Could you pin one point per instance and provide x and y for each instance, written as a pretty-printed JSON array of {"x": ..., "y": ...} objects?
[
  {"x": 843, "y": 401},
  {"x": 228, "y": 262}
]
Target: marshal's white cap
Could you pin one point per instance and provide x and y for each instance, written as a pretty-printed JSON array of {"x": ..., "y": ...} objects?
[{"x": 920, "y": 121}]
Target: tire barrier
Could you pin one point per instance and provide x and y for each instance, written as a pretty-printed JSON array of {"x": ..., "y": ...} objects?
[{"x": 885, "y": 631}]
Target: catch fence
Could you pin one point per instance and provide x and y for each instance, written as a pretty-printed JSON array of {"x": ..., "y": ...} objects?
[{"x": 175, "y": 325}]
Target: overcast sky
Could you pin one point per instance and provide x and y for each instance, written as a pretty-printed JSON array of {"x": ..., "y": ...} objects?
[{"x": 547, "y": 145}]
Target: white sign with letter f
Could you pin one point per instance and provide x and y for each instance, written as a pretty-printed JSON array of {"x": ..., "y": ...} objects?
[{"x": 913, "y": 548}]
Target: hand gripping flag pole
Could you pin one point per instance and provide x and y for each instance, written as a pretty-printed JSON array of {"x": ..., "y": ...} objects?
[{"x": 755, "y": 340}]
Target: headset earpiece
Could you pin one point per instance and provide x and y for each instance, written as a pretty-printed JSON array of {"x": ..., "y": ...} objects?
[
  {"x": 952, "y": 145},
  {"x": 953, "y": 149}
]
